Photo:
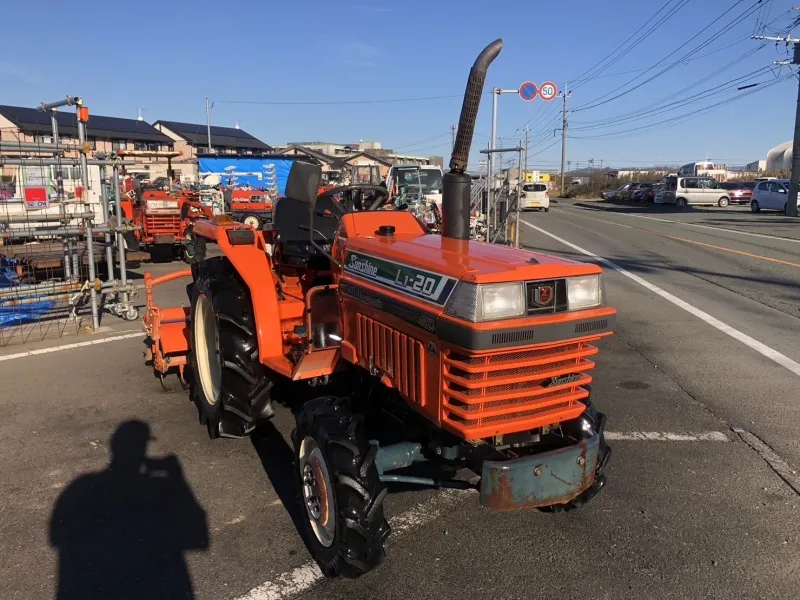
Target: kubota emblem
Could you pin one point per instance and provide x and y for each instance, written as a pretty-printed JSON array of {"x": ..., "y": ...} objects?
[{"x": 543, "y": 295}]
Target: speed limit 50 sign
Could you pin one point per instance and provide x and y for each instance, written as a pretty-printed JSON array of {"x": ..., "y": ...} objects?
[{"x": 548, "y": 91}]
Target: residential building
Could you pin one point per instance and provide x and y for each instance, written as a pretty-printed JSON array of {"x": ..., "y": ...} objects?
[
  {"x": 104, "y": 134},
  {"x": 191, "y": 139}
]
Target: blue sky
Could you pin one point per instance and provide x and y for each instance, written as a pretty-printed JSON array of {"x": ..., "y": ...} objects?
[{"x": 167, "y": 57}]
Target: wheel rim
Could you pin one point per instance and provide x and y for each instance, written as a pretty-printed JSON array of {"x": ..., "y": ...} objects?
[
  {"x": 206, "y": 343},
  {"x": 317, "y": 492},
  {"x": 252, "y": 221}
]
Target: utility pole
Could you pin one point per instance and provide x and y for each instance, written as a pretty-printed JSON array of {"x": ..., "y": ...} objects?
[
  {"x": 208, "y": 123},
  {"x": 527, "y": 130},
  {"x": 791, "y": 202},
  {"x": 565, "y": 94}
]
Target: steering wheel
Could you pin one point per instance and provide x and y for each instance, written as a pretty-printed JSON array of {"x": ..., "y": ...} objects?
[{"x": 351, "y": 198}]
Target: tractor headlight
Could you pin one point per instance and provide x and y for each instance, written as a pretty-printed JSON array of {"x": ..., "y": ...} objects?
[
  {"x": 487, "y": 302},
  {"x": 584, "y": 292}
]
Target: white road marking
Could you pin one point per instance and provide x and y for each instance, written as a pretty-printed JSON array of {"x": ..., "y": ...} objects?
[
  {"x": 761, "y": 235},
  {"x": 105, "y": 340},
  {"x": 307, "y": 575},
  {"x": 745, "y": 339},
  {"x": 666, "y": 436}
]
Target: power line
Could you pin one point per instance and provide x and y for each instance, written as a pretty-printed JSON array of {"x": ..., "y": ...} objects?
[
  {"x": 605, "y": 99},
  {"x": 662, "y": 108},
  {"x": 422, "y": 141},
  {"x": 692, "y": 114},
  {"x": 641, "y": 32}
]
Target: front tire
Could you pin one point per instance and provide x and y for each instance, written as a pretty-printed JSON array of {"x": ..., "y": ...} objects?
[
  {"x": 680, "y": 203},
  {"x": 341, "y": 492},
  {"x": 253, "y": 221},
  {"x": 723, "y": 202},
  {"x": 754, "y": 206},
  {"x": 229, "y": 385}
]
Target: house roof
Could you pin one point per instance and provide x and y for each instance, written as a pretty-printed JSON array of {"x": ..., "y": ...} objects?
[
  {"x": 316, "y": 154},
  {"x": 197, "y": 135},
  {"x": 370, "y": 156},
  {"x": 32, "y": 121}
]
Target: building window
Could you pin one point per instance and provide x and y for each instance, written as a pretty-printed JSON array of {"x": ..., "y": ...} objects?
[
  {"x": 43, "y": 139},
  {"x": 68, "y": 173},
  {"x": 92, "y": 143},
  {"x": 117, "y": 145}
]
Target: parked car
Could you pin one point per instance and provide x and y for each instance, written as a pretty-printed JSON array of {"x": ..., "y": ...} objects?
[
  {"x": 627, "y": 190},
  {"x": 622, "y": 193},
  {"x": 534, "y": 197},
  {"x": 650, "y": 193},
  {"x": 609, "y": 194},
  {"x": 683, "y": 191},
  {"x": 771, "y": 195},
  {"x": 741, "y": 191},
  {"x": 642, "y": 193}
]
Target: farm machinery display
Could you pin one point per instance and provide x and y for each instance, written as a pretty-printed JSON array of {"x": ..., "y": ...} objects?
[
  {"x": 165, "y": 219},
  {"x": 402, "y": 351}
]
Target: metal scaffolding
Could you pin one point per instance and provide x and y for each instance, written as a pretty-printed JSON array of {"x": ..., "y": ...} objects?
[{"x": 70, "y": 274}]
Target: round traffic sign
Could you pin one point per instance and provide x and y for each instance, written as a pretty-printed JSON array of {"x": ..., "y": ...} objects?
[
  {"x": 548, "y": 91},
  {"x": 528, "y": 91}
]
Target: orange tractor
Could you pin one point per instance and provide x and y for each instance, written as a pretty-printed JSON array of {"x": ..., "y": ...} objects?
[
  {"x": 166, "y": 220},
  {"x": 419, "y": 351}
]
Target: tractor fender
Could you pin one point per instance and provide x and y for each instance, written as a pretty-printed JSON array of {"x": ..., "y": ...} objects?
[{"x": 252, "y": 264}]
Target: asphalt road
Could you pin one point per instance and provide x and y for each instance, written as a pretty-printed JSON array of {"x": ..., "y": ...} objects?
[{"x": 692, "y": 508}]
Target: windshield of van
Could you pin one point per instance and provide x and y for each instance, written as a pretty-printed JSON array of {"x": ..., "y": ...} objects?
[{"x": 411, "y": 178}]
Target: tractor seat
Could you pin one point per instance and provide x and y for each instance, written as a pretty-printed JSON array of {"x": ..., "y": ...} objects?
[{"x": 291, "y": 218}]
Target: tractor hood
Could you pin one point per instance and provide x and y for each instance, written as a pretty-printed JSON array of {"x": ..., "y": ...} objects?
[{"x": 477, "y": 262}]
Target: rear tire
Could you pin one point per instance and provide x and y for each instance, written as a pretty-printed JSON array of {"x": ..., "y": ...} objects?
[
  {"x": 341, "y": 492},
  {"x": 754, "y": 206},
  {"x": 229, "y": 385},
  {"x": 723, "y": 202}
]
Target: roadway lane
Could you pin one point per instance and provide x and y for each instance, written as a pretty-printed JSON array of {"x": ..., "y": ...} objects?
[{"x": 725, "y": 275}]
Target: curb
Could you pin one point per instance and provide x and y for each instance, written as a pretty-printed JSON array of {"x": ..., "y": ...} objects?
[{"x": 594, "y": 206}]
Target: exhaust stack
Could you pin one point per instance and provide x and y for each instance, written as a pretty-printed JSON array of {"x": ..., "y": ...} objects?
[{"x": 456, "y": 184}]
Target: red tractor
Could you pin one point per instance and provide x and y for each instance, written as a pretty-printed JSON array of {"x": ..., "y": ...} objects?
[
  {"x": 406, "y": 356},
  {"x": 251, "y": 207},
  {"x": 166, "y": 220}
]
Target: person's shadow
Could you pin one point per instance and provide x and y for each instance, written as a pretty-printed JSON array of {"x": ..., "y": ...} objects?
[{"x": 122, "y": 532}]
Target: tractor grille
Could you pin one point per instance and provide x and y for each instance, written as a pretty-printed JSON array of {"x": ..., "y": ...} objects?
[
  {"x": 395, "y": 353},
  {"x": 517, "y": 390},
  {"x": 163, "y": 224}
]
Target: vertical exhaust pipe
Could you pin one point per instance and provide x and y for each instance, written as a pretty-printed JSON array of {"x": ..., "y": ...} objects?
[{"x": 456, "y": 184}]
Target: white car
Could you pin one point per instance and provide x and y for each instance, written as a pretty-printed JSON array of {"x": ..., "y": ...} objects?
[
  {"x": 534, "y": 197},
  {"x": 771, "y": 195}
]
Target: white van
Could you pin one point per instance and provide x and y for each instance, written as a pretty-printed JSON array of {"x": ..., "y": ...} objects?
[
  {"x": 682, "y": 191},
  {"x": 534, "y": 197}
]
